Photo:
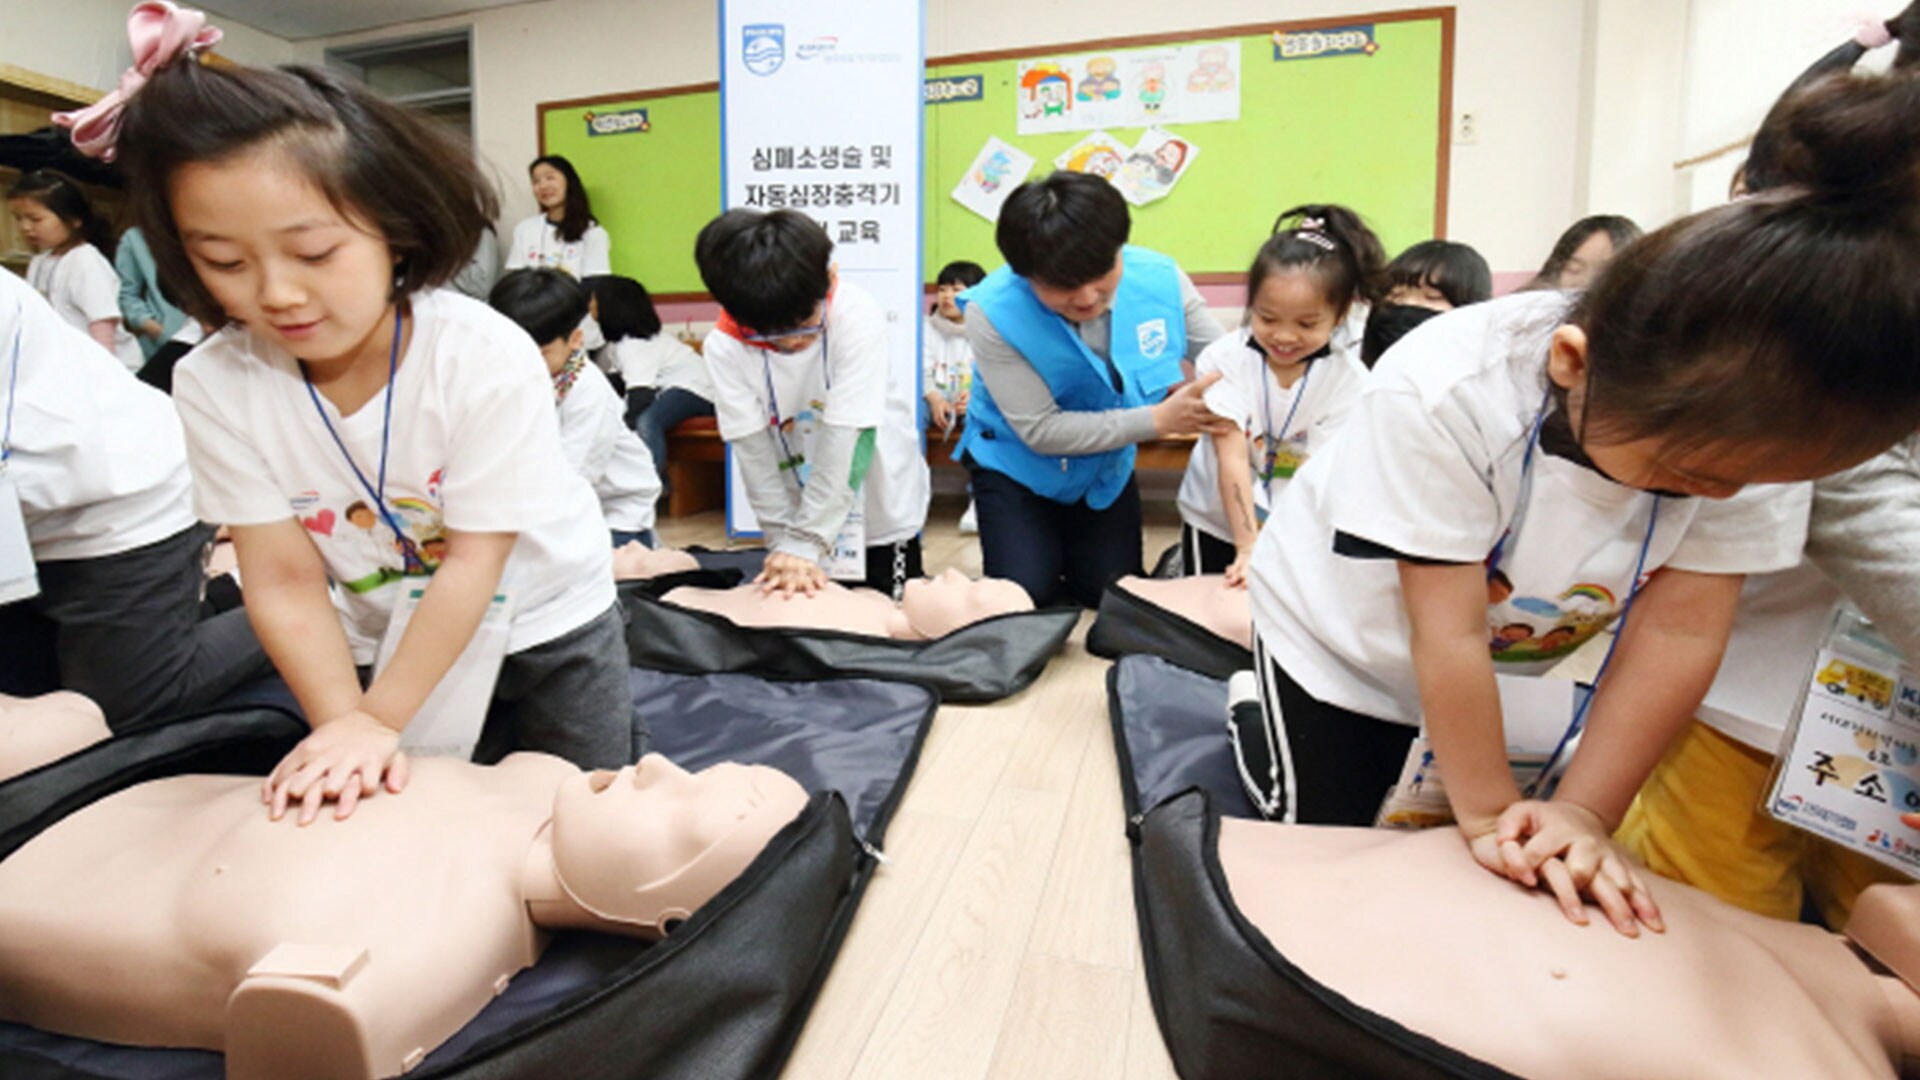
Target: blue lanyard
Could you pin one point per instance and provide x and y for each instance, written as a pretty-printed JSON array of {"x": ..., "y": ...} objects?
[
  {"x": 13, "y": 381},
  {"x": 1543, "y": 783},
  {"x": 787, "y": 458},
  {"x": 1267, "y": 379},
  {"x": 408, "y": 553}
]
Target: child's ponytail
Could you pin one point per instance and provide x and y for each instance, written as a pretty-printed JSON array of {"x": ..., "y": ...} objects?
[
  {"x": 1788, "y": 318},
  {"x": 1346, "y": 257}
]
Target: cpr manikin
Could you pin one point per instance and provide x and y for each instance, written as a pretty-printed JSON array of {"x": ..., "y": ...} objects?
[
  {"x": 929, "y": 608},
  {"x": 635, "y": 561},
  {"x": 176, "y": 913},
  {"x": 1409, "y": 927},
  {"x": 1204, "y": 600},
  {"x": 37, "y": 730}
]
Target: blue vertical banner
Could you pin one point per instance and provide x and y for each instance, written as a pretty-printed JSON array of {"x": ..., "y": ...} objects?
[{"x": 821, "y": 107}]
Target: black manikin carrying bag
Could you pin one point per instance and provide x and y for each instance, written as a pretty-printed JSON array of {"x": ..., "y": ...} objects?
[
  {"x": 1128, "y": 625},
  {"x": 1229, "y": 1006},
  {"x": 986, "y": 661},
  {"x": 724, "y": 995}
]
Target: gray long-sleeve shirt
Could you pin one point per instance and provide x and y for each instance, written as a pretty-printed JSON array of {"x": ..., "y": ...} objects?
[
  {"x": 1864, "y": 534},
  {"x": 1023, "y": 398}
]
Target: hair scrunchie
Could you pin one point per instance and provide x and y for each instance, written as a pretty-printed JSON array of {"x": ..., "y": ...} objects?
[{"x": 160, "y": 33}]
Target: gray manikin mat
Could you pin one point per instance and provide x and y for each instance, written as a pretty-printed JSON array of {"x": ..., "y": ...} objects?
[
  {"x": 1170, "y": 730},
  {"x": 1128, "y": 624},
  {"x": 987, "y": 661},
  {"x": 573, "y": 1013}
]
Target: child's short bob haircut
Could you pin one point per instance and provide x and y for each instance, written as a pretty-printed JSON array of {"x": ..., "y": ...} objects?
[
  {"x": 1065, "y": 230},
  {"x": 1789, "y": 318},
  {"x": 626, "y": 311},
  {"x": 398, "y": 175},
  {"x": 1456, "y": 270},
  {"x": 768, "y": 270},
  {"x": 547, "y": 303}
]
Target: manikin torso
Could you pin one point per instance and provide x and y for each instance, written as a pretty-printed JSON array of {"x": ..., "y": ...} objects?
[
  {"x": 929, "y": 608},
  {"x": 634, "y": 561},
  {"x": 175, "y": 913},
  {"x": 1409, "y": 926},
  {"x": 1205, "y": 600},
  {"x": 38, "y": 730}
]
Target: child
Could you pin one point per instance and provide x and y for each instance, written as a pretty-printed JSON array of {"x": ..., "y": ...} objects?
[
  {"x": 1438, "y": 274},
  {"x": 549, "y": 305},
  {"x": 946, "y": 360},
  {"x": 666, "y": 382},
  {"x": 807, "y": 400},
  {"x": 1557, "y": 440},
  {"x": 564, "y": 233},
  {"x": 1580, "y": 253},
  {"x": 1284, "y": 383},
  {"x": 72, "y": 269},
  {"x": 1371, "y": 252},
  {"x": 311, "y": 222}
]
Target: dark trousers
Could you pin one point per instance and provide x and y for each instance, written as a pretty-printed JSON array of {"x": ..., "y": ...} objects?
[
  {"x": 568, "y": 697},
  {"x": 891, "y": 566},
  {"x": 1203, "y": 553},
  {"x": 1059, "y": 553},
  {"x": 1310, "y": 763},
  {"x": 126, "y": 631},
  {"x": 653, "y": 416}
]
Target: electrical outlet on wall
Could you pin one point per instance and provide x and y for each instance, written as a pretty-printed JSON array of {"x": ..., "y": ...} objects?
[{"x": 1466, "y": 129}]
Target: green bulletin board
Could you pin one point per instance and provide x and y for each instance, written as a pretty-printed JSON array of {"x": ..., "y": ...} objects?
[{"x": 1365, "y": 130}]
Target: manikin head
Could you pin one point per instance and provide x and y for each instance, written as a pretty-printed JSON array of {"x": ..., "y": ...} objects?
[
  {"x": 935, "y": 607},
  {"x": 636, "y": 561},
  {"x": 647, "y": 846}
]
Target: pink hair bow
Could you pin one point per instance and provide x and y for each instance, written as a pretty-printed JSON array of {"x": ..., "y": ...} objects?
[
  {"x": 1871, "y": 32},
  {"x": 160, "y": 33}
]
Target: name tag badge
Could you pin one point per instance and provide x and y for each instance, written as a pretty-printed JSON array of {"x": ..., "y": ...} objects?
[
  {"x": 18, "y": 577},
  {"x": 848, "y": 559},
  {"x": 449, "y": 721}
]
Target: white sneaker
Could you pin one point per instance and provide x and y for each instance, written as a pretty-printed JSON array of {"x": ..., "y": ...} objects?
[{"x": 968, "y": 522}]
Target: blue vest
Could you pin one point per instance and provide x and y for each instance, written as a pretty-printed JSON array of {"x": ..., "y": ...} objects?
[{"x": 1148, "y": 341}]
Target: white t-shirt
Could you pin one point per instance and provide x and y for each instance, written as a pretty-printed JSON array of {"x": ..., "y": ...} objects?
[
  {"x": 1429, "y": 464},
  {"x": 662, "y": 361},
  {"x": 537, "y": 242},
  {"x": 946, "y": 359},
  {"x": 84, "y": 288},
  {"x": 1769, "y": 658},
  {"x": 1251, "y": 396},
  {"x": 858, "y": 391},
  {"x": 601, "y": 447},
  {"x": 98, "y": 457},
  {"x": 475, "y": 446}
]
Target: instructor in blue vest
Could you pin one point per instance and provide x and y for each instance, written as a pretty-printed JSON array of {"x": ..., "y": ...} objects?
[{"x": 1077, "y": 342}]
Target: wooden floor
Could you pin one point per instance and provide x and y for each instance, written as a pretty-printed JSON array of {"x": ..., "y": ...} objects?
[{"x": 1000, "y": 941}]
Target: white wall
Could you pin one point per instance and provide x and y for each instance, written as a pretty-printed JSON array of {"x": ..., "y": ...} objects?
[
  {"x": 1634, "y": 74},
  {"x": 85, "y": 41},
  {"x": 1511, "y": 193}
]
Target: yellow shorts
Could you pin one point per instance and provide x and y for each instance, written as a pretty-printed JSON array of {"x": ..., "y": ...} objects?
[{"x": 1698, "y": 820}]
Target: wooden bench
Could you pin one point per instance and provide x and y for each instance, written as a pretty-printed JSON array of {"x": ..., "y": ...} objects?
[{"x": 697, "y": 473}]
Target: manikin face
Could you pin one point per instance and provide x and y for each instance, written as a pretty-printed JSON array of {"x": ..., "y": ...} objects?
[
  {"x": 278, "y": 256},
  {"x": 1587, "y": 259},
  {"x": 42, "y": 228},
  {"x": 1085, "y": 302},
  {"x": 1290, "y": 317},
  {"x": 549, "y": 187},
  {"x": 653, "y": 842},
  {"x": 935, "y": 607}
]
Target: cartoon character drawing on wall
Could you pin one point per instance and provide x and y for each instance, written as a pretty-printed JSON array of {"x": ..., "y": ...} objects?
[
  {"x": 993, "y": 172},
  {"x": 1100, "y": 84},
  {"x": 1153, "y": 86},
  {"x": 1168, "y": 159},
  {"x": 1049, "y": 91},
  {"x": 1212, "y": 74},
  {"x": 1095, "y": 158}
]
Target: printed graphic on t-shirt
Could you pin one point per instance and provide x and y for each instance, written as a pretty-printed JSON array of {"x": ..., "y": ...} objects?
[
  {"x": 794, "y": 433},
  {"x": 1280, "y": 460},
  {"x": 1525, "y": 629},
  {"x": 361, "y": 550}
]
